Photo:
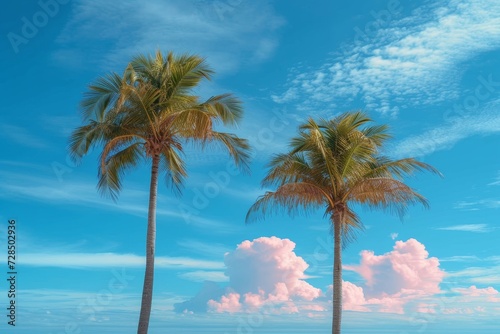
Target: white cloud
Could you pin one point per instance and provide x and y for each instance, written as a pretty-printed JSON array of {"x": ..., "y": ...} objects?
[
  {"x": 488, "y": 274},
  {"x": 229, "y": 34},
  {"x": 476, "y": 228},
  {"x": 22, "y": 136},
  {"x": 394, "y": 236},
  {"x": 414, "y": 61},
  {"x": 496, "y": 181},
  {"x": 204, "y": 275},
  {"x": 460, "y": 258},
  {"x": 131, "y": 200},
  {"x": 104, "y": 260},
  {"x": 203, "y": 248},
  {"x": 484, "y": 122}
]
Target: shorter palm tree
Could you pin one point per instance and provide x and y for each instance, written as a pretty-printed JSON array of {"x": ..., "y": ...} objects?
[{"x": 336, "y": 164}]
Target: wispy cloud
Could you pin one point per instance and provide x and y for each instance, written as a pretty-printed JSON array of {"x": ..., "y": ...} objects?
[
  {"x": 204, "y": 248},
  {"x": 79, "y": 193},
  {"x": 228, "y": 33},
  {"x": 204, "y": 275},
  {"x": 447, "y": 135},
  {"x": 476, "y": 228},
  {"x": 22, "y": 136},
  {"x": 60, "y": 125},
  {"x": 415, "y": 61},
  {"x": 476, "y": 205},
  {"x": 104, "y": 260},
  {"x": 496, "y": 181},
  {"x": 479, "y": 275},
  {"x": 460, "y": 258}
]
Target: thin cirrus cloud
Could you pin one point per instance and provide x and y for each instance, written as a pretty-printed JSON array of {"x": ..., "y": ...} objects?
[
  {"x": 415, "y": 61},
  {"x": 227, "y": 33},
  {"x": 204, "y": 275},
  {"x": 480, "y": 204},
  {"x": 475, "y": 228},
  {"x": 476, "y": 122},
  {"x": 105, "y": 260},
  {"x": 133, "y": 201},
  {"x": 20, "y": 135},
  {"x": 496, "y": 181}
]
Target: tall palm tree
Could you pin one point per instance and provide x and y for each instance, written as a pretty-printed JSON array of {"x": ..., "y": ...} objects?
[
  {"x": 149, "y": 113},
  {"x": 336, "y": 164}
]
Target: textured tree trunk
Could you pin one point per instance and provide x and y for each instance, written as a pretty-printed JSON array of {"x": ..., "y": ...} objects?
[
  {"x": 337, "y": 274},
  {"x": 147, "y": 291}
]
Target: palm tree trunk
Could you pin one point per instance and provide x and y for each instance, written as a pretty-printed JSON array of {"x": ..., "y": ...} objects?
[
  {"x": 337, "y": 274},
  {"x": 147, "y": 291}
]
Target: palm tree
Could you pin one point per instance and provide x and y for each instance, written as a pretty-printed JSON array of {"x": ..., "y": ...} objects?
[
  {"x": 149, "y": 113},
  {"x": 335, "y": 164}
]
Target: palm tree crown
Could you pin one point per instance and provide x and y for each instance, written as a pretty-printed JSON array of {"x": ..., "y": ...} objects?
[
  {"x": 336, "y": 164},
  {"x": 150, "y": 112}
]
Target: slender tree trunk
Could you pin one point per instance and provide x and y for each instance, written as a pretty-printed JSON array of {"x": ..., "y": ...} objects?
[
  {"x": 147, "y": 291},
  {"x": 337, "y": 274}
]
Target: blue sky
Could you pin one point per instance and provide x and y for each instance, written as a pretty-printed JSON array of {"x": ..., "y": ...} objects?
[{"x": 428, "y": 69}]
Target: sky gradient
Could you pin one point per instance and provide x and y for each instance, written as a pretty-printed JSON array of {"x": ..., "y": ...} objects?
[{"x": 428, "y": 69}]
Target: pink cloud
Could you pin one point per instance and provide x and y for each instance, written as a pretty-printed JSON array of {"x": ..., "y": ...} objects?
[
  {"x": 395, "y": 278},
  {"x": 473, "y": 291},
  {"x": 228, "y": 303},
  {"x": 476, "y": 295},
  {"x": 265, "y": 272},
  {"x": 353, "y": 297},
  {"x": 266, "y": 276},
  {"x": 313, "y": 307},
  {"x": 426, "y": 308},
  {"x": 406, "y": 267}
]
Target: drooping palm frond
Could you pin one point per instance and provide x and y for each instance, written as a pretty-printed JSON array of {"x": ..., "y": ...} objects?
[
  {"x": 238, "y": 148},
  {"x": 115, "y": 166},
  {"x": 385, "y": 193},
  {"x": 226, "y": 108},
  {"x": 384, "y": 166},
  {"x": 173, "y": 166},
  {"x": 291, "y": 198}
]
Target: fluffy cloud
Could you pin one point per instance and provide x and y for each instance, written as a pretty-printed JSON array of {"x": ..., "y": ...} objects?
[
  {"x": 395, "y": 278},
  {"x": 474, "y": 300},
  {"x": 353, "y": 297},
  {"x": 473, "y": 291},
  {"x": 265, "y": 272},
  {"x": 266, "y": 276}
]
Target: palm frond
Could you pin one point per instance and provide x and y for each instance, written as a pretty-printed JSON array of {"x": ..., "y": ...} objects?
[
  {"x": 291, "y": 198},
  {"x": 115, "y": 167},
  {"x": 238, "y": 148},
  {"x": 174, "y": 168},
  {"x": 385, "y": 193},
  {"x": 225, "y": 107}
]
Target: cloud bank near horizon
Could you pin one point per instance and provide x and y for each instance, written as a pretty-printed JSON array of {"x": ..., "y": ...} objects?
[{"x": 266, "y": 276}]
